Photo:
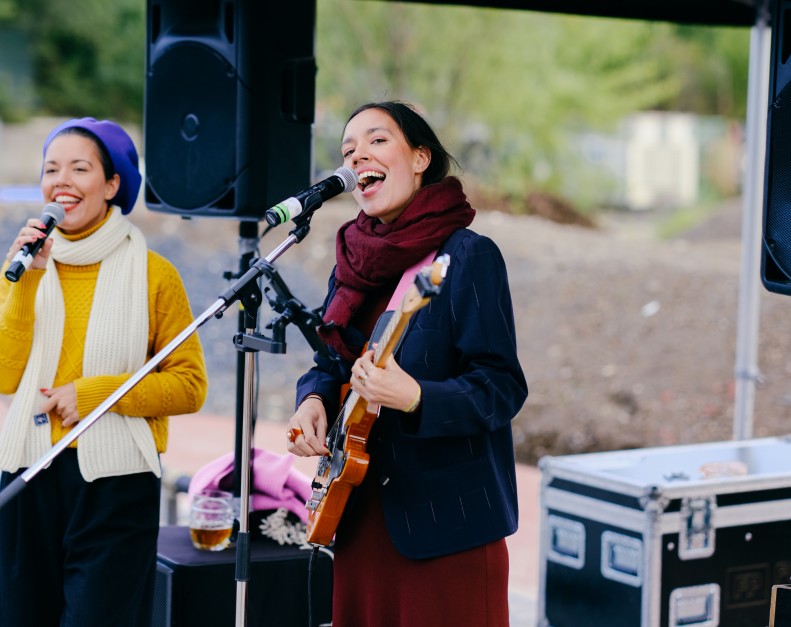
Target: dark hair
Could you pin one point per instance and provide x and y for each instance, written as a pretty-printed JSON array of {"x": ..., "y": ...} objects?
[
  {"x": 104, "y": 156},
  {"x": 417, "y": 133}
]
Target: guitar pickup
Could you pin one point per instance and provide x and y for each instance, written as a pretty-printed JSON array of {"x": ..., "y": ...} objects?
[{"x": 319, "y": 492}]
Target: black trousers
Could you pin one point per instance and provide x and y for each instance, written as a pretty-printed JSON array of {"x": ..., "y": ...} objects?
[{"x": 78, "y": 554}]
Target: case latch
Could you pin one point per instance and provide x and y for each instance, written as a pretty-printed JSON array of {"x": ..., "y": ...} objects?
[{"x": 697, "y": 533}]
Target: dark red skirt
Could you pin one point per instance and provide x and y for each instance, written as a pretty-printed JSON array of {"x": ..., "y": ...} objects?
[{"x": 376, "y": 586}]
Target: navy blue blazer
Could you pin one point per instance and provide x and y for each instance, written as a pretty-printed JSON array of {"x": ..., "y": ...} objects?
[{"x": 447, "y": 472}]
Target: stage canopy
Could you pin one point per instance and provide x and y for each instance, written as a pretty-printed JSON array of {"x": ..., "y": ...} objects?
[{"x": 710, "y": 12}]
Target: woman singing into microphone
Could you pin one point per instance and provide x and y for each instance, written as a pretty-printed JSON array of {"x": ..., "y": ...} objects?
[
  {"x": 78, "y": 546},
  {"x": 422, "y": 541}
]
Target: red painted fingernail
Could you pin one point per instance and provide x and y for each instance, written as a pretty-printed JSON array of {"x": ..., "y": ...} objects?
[{"x": 43, "y": 390}]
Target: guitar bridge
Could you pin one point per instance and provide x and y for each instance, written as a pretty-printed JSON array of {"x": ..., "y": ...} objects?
[{"x": 315, "y": 499}]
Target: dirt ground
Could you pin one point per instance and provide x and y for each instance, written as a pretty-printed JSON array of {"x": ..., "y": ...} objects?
[
  {"x": 626, "y": 340},
  {"x": 630, "y": 341}
]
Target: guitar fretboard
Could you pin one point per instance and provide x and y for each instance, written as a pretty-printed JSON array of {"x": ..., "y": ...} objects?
[{"x": 387, "y": 334}]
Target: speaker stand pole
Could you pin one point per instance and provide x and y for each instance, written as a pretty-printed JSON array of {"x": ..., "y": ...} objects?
[{"x": 250, "y": 303}]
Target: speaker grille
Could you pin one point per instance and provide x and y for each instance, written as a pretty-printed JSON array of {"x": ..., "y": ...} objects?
[
  {"x": 190, "y": 133},
  {"x": 230, "y": 96},
  {"x": 778, "y": 212},
  {"x": 163, "y": 594}
]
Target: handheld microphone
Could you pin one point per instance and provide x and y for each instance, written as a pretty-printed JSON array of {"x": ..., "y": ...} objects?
[
  {"x": 52, "y": 215},
  {"x": 342, "y": 180}
]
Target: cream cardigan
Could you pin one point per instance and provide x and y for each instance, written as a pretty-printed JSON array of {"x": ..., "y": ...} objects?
[{"x": 116, "y": 342}]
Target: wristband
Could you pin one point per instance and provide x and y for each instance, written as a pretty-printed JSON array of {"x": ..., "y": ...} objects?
[
  {"x": 411, "y": 409},
  {"x": 313, "y": 395}
]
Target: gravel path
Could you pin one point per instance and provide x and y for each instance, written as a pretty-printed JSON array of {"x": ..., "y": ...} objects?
[{"x": 626, "y": 340}]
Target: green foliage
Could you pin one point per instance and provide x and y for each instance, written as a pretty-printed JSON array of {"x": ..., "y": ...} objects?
[
  {"x": 89, "y": 56},
  {"x": 8, "y": 10},
  {"x": 711, "y": 66},
  {"x": 506, "y": 89}
]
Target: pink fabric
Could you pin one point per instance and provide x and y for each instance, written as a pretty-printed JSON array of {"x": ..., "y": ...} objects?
[{"x": 274, "y": 484}]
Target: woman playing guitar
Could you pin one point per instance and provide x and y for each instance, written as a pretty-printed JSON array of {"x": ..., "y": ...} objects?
[{"x": 421, "y": 541}]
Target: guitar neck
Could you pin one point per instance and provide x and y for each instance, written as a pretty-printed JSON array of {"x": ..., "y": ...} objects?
[
  {"x": 355, "y": 406},
  {"x": 393, "y": 331}
]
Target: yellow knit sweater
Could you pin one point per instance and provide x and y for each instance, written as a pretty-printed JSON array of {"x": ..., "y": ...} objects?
[{"x": 177, "y": 386}]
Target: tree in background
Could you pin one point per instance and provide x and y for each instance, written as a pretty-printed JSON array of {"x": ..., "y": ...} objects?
[
  {"x": 509, "y": 90},
  {"x": 8, "y": 10},
  {"x": 88, "y": 55}
]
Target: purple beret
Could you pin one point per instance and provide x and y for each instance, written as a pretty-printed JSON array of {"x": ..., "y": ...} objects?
[{"x": 122, "y": 153}]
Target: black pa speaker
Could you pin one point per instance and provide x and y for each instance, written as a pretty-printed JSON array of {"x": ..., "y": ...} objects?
[
  {"x": 229, "y": 105},
  {"x": 196, "y": 588},
  {"x": 776, "y": 248}
]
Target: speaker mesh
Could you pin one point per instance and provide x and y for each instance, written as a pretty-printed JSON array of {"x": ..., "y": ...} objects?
[
  {"x": 777, "y": 214},
  {"x": 163, "y": 595},
  {"x": 191, "y": 130}
]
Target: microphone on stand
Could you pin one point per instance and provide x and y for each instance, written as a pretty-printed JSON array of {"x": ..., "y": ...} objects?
[
  {"x": 52, "y": 215},
  {"x": 342, "y": 180}
]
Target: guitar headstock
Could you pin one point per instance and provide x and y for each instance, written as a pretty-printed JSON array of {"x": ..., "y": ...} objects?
[
  {"x": 428, "y": 282},
  {"x": 438, "y": 270}
]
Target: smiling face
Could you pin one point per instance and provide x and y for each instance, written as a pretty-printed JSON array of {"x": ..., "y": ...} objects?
[
  {"x": 73, "y": 176},
  {"x": 390, "y": 170}
]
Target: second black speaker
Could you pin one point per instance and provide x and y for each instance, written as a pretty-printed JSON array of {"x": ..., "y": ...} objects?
[
  {"x": 776, "y": 244},
  {"x": 229, "y": 105}
]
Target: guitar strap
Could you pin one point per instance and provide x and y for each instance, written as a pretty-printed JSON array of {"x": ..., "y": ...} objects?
[
  {"x": 381, "y": 323},
  {"x": 407, "y": 279}
]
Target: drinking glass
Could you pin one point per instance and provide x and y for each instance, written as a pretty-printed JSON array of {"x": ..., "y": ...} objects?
[{"x": 211, "y": 520}]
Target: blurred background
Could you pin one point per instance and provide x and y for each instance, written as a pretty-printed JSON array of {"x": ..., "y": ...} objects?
[
  {"x": 601, "y": 112},
  {"x": 605, "y": 156}
]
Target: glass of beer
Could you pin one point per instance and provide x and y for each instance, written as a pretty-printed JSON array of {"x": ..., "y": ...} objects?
[{"x": 211, "y": 520}]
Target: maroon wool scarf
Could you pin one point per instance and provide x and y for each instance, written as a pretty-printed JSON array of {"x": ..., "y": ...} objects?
[{"x": 370, "y": 254}]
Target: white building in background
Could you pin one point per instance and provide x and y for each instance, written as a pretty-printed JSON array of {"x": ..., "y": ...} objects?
[
  {"x": 659, "y": 160},
  {"x": 662, "y": 157}
]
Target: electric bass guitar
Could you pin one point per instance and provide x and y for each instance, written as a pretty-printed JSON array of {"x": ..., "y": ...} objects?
[{"x": 347, "y": 462}]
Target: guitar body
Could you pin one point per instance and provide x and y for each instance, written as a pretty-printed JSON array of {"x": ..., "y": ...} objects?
[
  {"x": 345, "y": 467},
  {"x": 343, "y": 470}
]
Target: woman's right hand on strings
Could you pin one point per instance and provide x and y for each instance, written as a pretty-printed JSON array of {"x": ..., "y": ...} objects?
[
  {"x": 307, "y": 429},
  {"x": 27, "y": 235}
]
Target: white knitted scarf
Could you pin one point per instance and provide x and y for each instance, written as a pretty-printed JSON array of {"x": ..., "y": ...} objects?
[{"x": 116, "y": 343}]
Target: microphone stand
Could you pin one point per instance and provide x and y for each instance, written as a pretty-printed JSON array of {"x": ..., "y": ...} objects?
[
  {"x": 248, "y": 249},
  {"x": 246, "y": 289},
  {"x": 248, "y": 343}
]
